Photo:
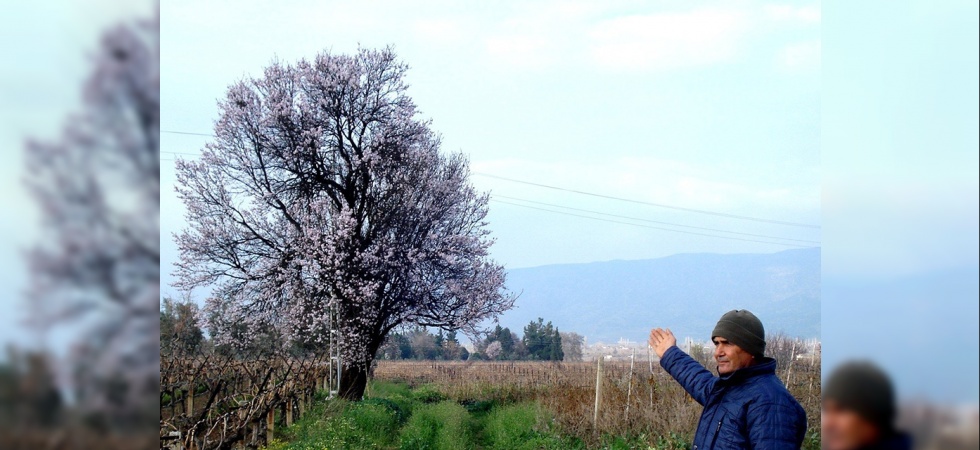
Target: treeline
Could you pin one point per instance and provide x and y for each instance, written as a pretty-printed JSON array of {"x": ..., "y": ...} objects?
[
  {"x": 541, "y": 342},
  {"x": 181, "y": 334},
  {"x": 420, "y": 343}
]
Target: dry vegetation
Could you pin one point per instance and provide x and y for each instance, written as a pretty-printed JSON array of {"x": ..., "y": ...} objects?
[
  {"x": 643, "y": 401},
  {"x": 218, "y": 402}
]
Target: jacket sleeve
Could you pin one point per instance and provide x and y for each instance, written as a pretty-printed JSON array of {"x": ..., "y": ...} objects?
[
  {"x": 695, "y": 379},
  {"x": 774, "y": 426}
]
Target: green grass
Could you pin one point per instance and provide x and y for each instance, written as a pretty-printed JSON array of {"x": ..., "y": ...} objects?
[
  {"x": 341, "y": 425},
  {"x": 396, "y": 416},
  {"x": 522, "y": 426},
  {"x": 438, "y": 426}
]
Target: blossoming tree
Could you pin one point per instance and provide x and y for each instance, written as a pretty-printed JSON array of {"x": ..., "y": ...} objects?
[
  {"x": 323, "y": 190},
  {"x": 94, "y": 271}
]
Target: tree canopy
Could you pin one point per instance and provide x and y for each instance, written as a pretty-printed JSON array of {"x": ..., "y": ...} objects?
[{"x": 324, "y": 191}]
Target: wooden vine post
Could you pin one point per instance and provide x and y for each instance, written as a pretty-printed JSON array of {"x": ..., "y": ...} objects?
[
  {"x": 270, "y": 425},
  {"x": 598, "y": 394}
]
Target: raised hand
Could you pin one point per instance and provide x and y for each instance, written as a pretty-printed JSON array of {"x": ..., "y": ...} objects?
[{"x": 661, "y": 340}]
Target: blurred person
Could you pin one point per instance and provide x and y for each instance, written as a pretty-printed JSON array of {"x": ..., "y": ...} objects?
[
  {"x": 746, "y": 406},
  {"x": 858, "y": 410}
]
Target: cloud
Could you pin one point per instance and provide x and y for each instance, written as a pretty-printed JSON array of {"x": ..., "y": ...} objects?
[{"x": 667, "y": 40}]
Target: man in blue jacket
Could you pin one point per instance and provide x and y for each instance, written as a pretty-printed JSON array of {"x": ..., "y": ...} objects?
[{"x": 747, "y": 406}]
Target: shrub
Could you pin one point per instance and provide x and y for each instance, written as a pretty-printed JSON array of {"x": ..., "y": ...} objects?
[
  {"x": 429, "y": 394},
  {"x": 444, "y": 425}
]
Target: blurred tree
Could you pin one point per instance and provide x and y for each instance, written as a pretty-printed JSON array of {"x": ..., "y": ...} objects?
[
  {"x": 396, "y": 346},
  {"x": 451, "y": 350},
  {"x": 180, "y": 333},
  {"x": 439, "y": 339},
  {"x": 510, "y": 345},
  {"x": 784, "y": 349},
  {"x": 493, "y": 350},
  {"x": 243, "y": 339},
  {"x": 701, "y": 354},
  {"x": 95, "y": 271},
  {"x": 424, "y": 344},
  {"x": 419, "y": 343},
  {"x": 571, "y": 345}
]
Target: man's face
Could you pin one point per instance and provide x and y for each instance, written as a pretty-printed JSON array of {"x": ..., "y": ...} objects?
[
  {"x": 844, "y": 429},
  {"x": 730, "y": 357}
]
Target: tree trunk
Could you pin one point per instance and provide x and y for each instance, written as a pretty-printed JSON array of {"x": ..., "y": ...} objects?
[{"x": 353, "y": 381}]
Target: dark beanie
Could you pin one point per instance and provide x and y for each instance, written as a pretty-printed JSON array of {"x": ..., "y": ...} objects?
[
  {"x": 864, "y": 388},
  {"x": 744, "y": 329}
]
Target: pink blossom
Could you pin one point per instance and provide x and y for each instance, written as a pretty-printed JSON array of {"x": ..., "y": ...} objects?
[{"x": 323, "y": 189}]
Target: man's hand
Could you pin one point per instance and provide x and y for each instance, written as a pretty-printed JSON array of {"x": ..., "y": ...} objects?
[{"x": 661, "y": 340}]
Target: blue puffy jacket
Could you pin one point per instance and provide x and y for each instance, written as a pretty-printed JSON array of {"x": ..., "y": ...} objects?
[{"x": 746, "y": 409}]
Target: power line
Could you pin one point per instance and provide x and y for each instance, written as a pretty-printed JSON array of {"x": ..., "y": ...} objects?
[
  {"x": 653, "y": 221},
  {"x": 592, "y": 194},
  {"x": 679, "y": 208},
  {"x": 187, "y": 133},
  {"x": 651, "y": 227}
]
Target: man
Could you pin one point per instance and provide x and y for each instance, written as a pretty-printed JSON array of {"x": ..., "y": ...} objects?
[
  {"x": 858, "y": 410},
  {"x": 746, "y": 407}
]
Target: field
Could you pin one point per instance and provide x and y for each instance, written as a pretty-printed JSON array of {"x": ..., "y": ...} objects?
[{"x": 415, "y": 405}]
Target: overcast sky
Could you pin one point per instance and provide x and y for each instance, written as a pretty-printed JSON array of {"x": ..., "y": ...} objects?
[{"x": 709, "y": 106}]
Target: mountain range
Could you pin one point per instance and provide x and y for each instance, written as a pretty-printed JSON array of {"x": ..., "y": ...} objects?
[{"x": 613, "y": 300}]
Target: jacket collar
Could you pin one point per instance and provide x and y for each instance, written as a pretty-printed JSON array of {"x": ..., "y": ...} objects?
[{"x": 765, "y": 366}]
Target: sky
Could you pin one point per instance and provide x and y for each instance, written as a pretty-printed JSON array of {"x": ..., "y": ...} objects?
[
  {"x": 46, "y": 51},
  {"x": 704, "y": 106}
]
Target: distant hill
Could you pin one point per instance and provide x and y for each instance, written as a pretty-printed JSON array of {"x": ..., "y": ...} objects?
[{"x": 606, "y": 301}]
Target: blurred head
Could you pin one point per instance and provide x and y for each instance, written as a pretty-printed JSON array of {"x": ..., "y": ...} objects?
[
  {"x": 740, "y": 340},
  {"x": 858, "y": 406}
]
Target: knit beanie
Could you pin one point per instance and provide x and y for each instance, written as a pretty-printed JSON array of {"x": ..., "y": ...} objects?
[
  {"x": 744, "y": 329},
  {"x": 865, "y": 389}
]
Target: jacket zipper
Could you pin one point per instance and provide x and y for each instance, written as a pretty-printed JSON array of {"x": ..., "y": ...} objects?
[{"x": 714, "y": 439}]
